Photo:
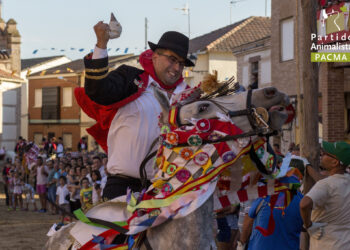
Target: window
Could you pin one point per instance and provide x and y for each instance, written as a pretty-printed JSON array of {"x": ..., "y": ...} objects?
[
  {"x": 38, "y": 138},
  {"x": 287, "y": 39},
  {"x": 37, "y": 98},
  {"x": 51, "y": 103},
  {"x": 254, "y": 72},
  {"x": 67, "y": 97},
  {"x": 67, "y": 141}
]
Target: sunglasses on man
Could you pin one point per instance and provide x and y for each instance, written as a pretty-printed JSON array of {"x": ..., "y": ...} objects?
[{"x": 322, "y": 153}]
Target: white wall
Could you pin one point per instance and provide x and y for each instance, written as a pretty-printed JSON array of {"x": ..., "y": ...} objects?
[
  {"x": 225, "y": 63},
  {"x": 264, "y": 68},
  {"x": 9, "y": 114},
  {"x": 195, "y": 76},
  {"x": 24, "y": 110},
  {"x": 245, "y": 75}
]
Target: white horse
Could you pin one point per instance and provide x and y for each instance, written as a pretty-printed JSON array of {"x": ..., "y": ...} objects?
[{"x": 194, "y": 231}]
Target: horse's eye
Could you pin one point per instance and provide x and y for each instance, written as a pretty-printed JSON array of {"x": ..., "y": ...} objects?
[{"x": 203, "y": 107}]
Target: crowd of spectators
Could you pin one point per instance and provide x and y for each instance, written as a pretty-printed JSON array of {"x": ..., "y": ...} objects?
[{"x": 63, "y": 180}]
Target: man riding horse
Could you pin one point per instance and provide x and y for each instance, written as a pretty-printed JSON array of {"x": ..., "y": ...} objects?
[
  {"x": 206, "y": 134},
  {"x": 124, "y": 106}
]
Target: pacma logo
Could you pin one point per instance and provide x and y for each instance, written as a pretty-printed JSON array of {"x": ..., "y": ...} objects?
[{"x": 325, "y": 15}]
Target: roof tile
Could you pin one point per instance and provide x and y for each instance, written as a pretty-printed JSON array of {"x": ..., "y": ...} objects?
[{"x": 234, "y": 35}]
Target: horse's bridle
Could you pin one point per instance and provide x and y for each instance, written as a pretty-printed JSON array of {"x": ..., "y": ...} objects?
[
  {"x": 251, "y": 114},
  {"x": 253, "y": 117}
]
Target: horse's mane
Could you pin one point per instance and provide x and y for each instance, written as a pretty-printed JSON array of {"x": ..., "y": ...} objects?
[
  {"x": 212, "y": 88},
  {"x": 228, "y": 87}
]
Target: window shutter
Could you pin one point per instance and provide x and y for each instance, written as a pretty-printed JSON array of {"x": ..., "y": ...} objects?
[{"x": 51, "y": 103}]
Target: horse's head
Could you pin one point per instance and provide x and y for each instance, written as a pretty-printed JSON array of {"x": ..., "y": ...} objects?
[
  {"x": 269, "y": 102},
  {"x": 216, "y": 130}
]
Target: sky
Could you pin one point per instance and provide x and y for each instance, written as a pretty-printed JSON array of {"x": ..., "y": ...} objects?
[{"x": 50, "y": 26}]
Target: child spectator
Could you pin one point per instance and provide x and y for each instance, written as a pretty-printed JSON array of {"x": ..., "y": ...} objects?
[
  {"x": 42, "y": 172},
  {"x": 62, "y": 194},
  {"x": 80, "y": 162},
  {"x": 62, "y": 168},
  {"x": 5, "y": 177},
  {"x": 18, "y": 167},
  {"x": 86, "y": 194},
  {"x": 17, "y": 191},
  {"x": 96, "y": 184},
  {"x": 84, "y": 173},
  {"x": 10, "y": 187},
  {"x": 29, "y": 192},
  {"x": 51, "y": 186},
  {"x": 74, "y": 189},
  {"x": 77, "y": 171}
]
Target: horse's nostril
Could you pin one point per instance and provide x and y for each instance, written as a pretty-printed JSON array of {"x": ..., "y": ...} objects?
[{"x": 270, "y": 92}]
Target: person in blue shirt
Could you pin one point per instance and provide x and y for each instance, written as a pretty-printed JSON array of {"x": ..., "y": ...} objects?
[{"x": 282, "y": 231}]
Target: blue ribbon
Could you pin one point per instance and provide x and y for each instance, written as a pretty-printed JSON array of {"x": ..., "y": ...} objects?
[{"x": 100, "y": 240}]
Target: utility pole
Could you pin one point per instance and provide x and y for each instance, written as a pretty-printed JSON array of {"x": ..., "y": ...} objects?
[
  {"x": 189, "y": 22},
  {"x": 0, "y": 8},
  {"x": 146, "y": 29},
  {"x": 231, "y": 3},
  {"x": 186, "y": 11},
  {"x": 265, "y": 7},
  {"x": 309, "y": 78}
]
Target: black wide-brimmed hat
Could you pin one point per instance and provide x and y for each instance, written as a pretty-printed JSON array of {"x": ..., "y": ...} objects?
[{"x": 176, "y": 42}]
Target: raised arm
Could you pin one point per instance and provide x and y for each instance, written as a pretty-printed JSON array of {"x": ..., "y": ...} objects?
[
  {"x": 103, "y": 86},
  {"x": 315, "y": 175}
]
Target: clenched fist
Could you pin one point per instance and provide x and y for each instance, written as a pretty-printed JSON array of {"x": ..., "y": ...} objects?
[{"x": 102, "y": 34}]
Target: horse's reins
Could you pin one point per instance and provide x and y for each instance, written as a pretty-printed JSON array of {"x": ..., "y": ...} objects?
[{"x": 93, "y": 220}]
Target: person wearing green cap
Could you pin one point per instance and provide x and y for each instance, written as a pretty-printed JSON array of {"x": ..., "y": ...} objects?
[{"x": 325, "y": 209}]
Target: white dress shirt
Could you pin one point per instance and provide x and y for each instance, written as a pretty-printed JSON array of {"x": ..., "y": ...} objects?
[{"x": 133, "y": 130}]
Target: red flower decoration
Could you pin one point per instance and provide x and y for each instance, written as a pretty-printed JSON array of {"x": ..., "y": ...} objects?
[{"x": 203, "y": 125}]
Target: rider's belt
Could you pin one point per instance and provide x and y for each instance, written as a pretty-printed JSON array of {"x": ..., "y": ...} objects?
[{"x": 125, "y": 177}]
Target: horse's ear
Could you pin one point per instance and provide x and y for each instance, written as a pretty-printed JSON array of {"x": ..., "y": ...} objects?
[{"x": 164, "y": 104}]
